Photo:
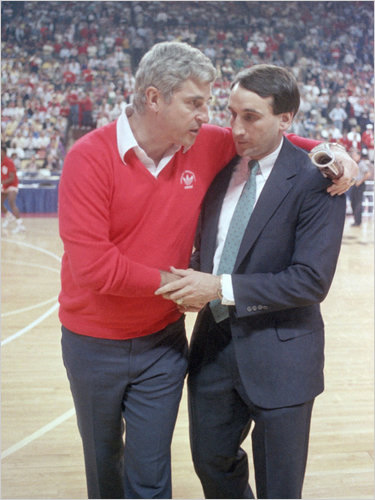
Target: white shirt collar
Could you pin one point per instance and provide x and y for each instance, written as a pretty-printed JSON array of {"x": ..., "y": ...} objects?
[
  {"x": 127, "y": 141},
  {"x": 125, "y": 136},
  {"x": 266, "y": 164}
]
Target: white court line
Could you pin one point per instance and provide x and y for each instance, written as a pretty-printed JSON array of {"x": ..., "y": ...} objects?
[
  {"x": 43, "y": 430},
  {"x": 47, "y": 313},
  {"x": 31, "y": 325},
  {"x": 39, "y": 249},
  {"x": 35, "y": 306},
  {"x": 29, "y": 264},
  {"x": 65, "y": 416},
  {"x": 29, "y": 308}
]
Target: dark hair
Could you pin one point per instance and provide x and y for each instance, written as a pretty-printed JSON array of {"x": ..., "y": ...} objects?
[{"x": 268, "y": 80}]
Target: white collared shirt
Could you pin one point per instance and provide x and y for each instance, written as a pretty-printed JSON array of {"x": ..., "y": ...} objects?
[
  {"x": 237, "y": 183},
  {"x": 127, "y": 141}
]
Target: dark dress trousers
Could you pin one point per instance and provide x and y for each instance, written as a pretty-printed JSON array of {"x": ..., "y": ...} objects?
[{"x": 264, "y": 365}]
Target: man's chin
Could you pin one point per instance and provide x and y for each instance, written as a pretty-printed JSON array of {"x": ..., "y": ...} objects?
[
  {"x": 243, "y": 150},
  {"x": 187, "y": 143}
]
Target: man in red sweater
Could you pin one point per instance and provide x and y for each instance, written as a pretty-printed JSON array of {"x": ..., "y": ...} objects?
[{"x": 129, "y": 201}]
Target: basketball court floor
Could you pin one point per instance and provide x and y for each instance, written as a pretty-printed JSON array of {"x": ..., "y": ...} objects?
[{"x": 41, "y": 449}]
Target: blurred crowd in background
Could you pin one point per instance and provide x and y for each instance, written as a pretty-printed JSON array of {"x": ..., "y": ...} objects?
[{"x": 68, "y": 65}]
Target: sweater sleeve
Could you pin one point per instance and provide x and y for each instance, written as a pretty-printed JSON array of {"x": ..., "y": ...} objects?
[
  {"x": 302, "y": 142},
  {"x": 94, "y": 261}
]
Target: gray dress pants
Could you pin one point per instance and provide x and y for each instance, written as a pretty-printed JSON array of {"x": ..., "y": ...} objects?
[{"x": 126, "y": 395}]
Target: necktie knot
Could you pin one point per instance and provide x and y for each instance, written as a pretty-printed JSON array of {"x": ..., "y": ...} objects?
[{"x": 253, "y": 166}]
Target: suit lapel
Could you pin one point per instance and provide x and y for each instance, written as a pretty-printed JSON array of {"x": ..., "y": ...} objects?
[{"x": 274, "y": 191}]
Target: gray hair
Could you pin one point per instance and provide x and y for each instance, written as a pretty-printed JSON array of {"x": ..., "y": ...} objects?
[{"x": 166, "y": 66}]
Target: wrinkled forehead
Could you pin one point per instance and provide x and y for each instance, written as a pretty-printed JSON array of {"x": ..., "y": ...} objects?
[{"x": 194, "y": 88}]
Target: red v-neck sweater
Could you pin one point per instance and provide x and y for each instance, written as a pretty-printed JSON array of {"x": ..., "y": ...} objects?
[{"x": 120, "y": 225}]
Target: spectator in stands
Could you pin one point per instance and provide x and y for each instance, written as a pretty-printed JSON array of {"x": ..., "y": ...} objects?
[
  {"x": 69, "y": 77},
  {"x": 16, "y": 149},
  {"x": 369, "y": 192},
  {"x": 16, "y": 160},
  {"x": 51, "y": 163},
  {"x": 226, "y": 38},
  {"x": 86, "y": 106},
  {"x": 368, "y": 141},
  {"x": 31, "y": 169},
  {"x": 331, "y": 133},
  {"x": 9, "y": 191},
  {"x": 73, "y": 100},
  {"x": 356, "y": 191},
  {"x": 354, "y": 139},
  {"x": 41, "y": 141},
  {"x": 338, "y": 115}
]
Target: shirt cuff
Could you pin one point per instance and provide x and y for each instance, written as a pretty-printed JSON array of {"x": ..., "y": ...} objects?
[{"x": 227, "y": 290}]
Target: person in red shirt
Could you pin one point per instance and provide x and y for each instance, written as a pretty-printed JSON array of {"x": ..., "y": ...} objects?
[
  {"x": 88, "y": 77},
  {"x": 69, "y": 77},
  {"x": 368, "y": 140},
  {"x": 86, "y": 106},
  {"x": 129, "y": 201},
  {"x": 65, "y": 108},
  {"x": 73, "y": 101},
  {"x": 9, "y": 190}
]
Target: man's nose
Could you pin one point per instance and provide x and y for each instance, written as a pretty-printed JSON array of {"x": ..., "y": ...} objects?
[
  {"x": 203, "y": 115},
  {"x": 237, "y": 128}
]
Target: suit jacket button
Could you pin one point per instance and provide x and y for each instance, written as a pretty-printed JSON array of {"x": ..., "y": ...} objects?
[{"x": 249, "y": 308}]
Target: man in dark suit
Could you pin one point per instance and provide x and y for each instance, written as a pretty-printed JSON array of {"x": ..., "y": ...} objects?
[{"x": 257, "y": 350}]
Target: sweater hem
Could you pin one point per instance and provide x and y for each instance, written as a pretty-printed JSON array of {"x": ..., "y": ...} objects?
[{"x": 93, "y": 329}]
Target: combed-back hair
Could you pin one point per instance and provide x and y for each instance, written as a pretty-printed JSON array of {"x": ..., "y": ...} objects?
[
  {"x": 166, "y": 66},
  {"x": 268, "y": 80}
]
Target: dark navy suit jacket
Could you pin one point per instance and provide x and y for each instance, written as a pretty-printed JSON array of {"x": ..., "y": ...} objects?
[{"x": 284, "y": 269}]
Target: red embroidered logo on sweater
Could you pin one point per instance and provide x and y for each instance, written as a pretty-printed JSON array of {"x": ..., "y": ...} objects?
[{"x": 188, "y": 179}]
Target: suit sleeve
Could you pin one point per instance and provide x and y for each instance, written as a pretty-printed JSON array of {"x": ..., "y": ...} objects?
[{"x": 307, "y": 273}]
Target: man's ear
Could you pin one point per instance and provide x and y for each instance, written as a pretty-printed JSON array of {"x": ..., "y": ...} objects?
[
  {"x": 153, "y": 98},
  {"x": 286, "y": 120}
]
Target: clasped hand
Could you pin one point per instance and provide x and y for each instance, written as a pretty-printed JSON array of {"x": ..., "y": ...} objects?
[{"x": 191, "y": 290}]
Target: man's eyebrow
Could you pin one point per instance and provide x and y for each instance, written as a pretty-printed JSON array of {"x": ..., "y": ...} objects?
[{"x": 198, "y": 98}]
